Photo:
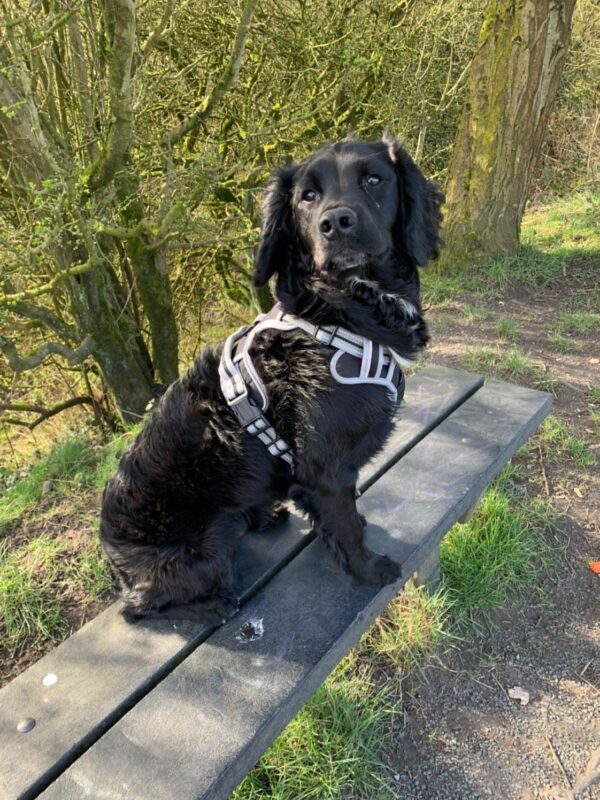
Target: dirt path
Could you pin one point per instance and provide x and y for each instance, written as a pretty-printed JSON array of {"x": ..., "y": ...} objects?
[{"x": 462, "y": 737}]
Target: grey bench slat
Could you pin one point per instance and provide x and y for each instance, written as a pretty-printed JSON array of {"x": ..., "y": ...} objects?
[
  {"x": 202, "y": 729},
  {"x": 107, "y": 666}
]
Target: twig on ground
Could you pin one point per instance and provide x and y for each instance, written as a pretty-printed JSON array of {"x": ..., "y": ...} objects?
[
  {"x": 559, "y": 763},
  {"x": 543, "y": 469}
]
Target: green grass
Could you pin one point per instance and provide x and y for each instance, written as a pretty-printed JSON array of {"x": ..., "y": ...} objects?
[
  {"x": 557, "y": 243},
  {"x": 595, "y": 416},
  {"x": 579, "y": 323},
  {"x": 507, "y": 330},
  {"x": 30, "y": 605},
  {"x": 70, "y": 464},
  {"x": 39, "y": 575},
  {"x": 36, "y": 580},
  {"x": 497, "y": 556},
  {"x": 594, "y": 394},
  {"x": 411, "y": 627},
  {"x": 511, "y": 364},
  {"x": 559, "y": 440},
  {"x": 562, "y": 344},
  {"x": 331, "y": 745},
  {"x": 438, "y": 289}
]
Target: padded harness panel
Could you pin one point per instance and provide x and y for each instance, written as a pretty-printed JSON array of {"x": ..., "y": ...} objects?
[{"x": 356, "y": 360}]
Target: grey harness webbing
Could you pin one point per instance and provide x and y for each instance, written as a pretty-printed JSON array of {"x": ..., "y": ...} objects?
[{"x": 356, "y": 360}]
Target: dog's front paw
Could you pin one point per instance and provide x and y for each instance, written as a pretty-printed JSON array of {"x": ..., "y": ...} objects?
[
  {"x": 379, "y": 570},
  {"x": 225, "y": 605}
]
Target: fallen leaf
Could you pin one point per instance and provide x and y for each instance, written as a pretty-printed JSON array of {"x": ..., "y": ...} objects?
[
  {"x": 595, "y": 566},
  {"x": 578, "y": 492},
  {"x": 518, "y": 693}
]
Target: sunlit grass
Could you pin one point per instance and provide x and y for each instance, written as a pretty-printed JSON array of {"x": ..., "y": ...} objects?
[
  {"x": 562, "y": 344},
  {"x": 68, "y": 464},
  {"x": 511, "y": 364},
  {"x": 559, "y": 440},
  {"x": 30, "y": 601},
  {"x": 497, "y": 556},
  {"x": 556, "y": 243},
  {"x": 508, "y": 330}
]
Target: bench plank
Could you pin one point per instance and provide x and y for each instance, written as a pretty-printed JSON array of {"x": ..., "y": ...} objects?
[
  {"x": 204, "y": 727},
  {"x": 107, "y": 666}
]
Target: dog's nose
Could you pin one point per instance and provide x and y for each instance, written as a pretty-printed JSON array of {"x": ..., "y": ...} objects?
[{"x": 337, "y": 222}]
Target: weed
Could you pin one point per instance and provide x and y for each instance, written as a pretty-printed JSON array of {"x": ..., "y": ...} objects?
[
  {"x": 511, "y": 364},
  {"x": 562, "y": 344},
  {"x": 579, "y": 323},
  {"x": 508, "y": 330},
  {"x": 558, "y": 439}
]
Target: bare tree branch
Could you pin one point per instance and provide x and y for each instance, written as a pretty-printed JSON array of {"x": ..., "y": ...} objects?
[
  {"x": 7, "y": 300},
  {"x": 22, "y": 363},
  {"x": 47, "y": 319},
  {"x": 44, "y": 413},
  {"x": 159, "y": 30},
  {"x": 122, "y": 13},
  {"x": 223, "y": 84}
]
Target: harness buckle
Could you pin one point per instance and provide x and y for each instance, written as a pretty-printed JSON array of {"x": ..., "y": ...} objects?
[
  {"x": 245, "y": 410},
  {"x": 329, "y": 335}
]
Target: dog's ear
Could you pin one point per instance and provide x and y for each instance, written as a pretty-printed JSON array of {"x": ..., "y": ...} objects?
[
  {"x": 278, "y": 226},
  {"x": 419, "y": 215}
]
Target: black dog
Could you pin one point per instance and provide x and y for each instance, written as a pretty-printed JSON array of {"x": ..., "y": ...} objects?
[{"x": 344, "y": 231}]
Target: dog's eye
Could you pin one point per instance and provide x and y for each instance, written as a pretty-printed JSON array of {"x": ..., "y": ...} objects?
[
  {"x": 373, "y": 180},
  {"x": 309, "y": 195}
]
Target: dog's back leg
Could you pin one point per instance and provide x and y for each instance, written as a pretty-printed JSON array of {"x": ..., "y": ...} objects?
[
  {"x": 200, "y": 572},
  {"x": 262, "y": 518}
]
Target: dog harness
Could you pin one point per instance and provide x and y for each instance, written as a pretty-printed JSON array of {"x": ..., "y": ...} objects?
[{"x": 356, "y": 360}]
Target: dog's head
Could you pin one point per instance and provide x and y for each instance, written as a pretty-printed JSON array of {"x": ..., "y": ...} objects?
[{"x": 352, "y": 208}]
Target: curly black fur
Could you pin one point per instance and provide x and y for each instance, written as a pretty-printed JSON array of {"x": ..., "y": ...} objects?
[{"x": 194, "y": 482}]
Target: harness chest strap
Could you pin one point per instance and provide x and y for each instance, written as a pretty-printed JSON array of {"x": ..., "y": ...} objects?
[{"x": 246, "y": 394}]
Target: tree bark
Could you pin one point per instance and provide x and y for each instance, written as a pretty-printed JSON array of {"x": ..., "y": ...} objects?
[{"x": 513, "y": 81}]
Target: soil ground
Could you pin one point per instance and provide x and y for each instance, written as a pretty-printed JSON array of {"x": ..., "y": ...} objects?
[{"x": 462, "y": 736}]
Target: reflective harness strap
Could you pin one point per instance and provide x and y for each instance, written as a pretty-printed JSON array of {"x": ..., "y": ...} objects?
[{"x": 240, "y": 380}]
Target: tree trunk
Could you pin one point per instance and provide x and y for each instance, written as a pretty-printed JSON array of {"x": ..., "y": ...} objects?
[
  {"x": 117, "y": 345},
  {"x": 513, "y": 81},
  {"x": 152, "y": 279}
]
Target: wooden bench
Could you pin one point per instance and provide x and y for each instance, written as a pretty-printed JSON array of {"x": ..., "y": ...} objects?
[{"x": 166, "y": 710}]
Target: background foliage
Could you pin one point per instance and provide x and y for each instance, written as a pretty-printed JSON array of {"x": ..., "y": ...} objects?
[{"x": 128, "y": 210}]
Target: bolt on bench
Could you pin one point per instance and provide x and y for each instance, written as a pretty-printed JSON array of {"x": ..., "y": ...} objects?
[{"x": 168, "y": 711}]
